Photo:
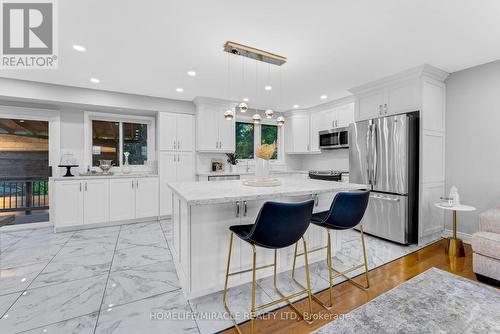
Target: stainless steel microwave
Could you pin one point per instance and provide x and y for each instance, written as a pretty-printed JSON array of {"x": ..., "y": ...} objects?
[{"x": 334, "y": 138}]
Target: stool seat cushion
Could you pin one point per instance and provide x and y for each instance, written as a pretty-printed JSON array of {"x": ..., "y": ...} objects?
[
  {"x": 242, "y": 231},
  {"x": 321, "y": 218}
]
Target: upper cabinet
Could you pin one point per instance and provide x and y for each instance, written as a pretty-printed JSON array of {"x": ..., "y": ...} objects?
[
  {"x": 302, "y": 128},
  {"x": 213, "y": 132},
  {"x": 176, "y": 132},
  {"x": 396, "y": 98}
]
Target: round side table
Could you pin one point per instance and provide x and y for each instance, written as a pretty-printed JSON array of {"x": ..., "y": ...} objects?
[{"x": 455, "y": 246}]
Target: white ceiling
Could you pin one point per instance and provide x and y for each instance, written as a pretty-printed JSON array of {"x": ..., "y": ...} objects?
[{"x": 146, "y": 47}]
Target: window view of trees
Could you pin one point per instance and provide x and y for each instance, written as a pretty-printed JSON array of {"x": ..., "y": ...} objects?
[
  {"x": 269, "y": 135},
  {"x": 244, "y": 140}
]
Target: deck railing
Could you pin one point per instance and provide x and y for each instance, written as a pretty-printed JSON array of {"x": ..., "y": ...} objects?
[{"x": 24, "y": 194}]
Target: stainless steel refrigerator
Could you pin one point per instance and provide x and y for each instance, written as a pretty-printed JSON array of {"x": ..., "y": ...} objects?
[{"x": 383, "y": 153}]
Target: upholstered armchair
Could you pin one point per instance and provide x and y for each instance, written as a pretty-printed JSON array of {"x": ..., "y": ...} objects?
[{"x": 486, "y": 247}]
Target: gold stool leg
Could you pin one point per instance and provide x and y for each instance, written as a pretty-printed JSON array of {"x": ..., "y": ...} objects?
[
  {"x": 364, "y": 255},
  {"x": 308, "y": 280},
  {"x": 252, "y": 313},
  {"x": 226, "y": 283},
  {"x": 329, "y": 263},
  {"x": 455, "y": 246}
]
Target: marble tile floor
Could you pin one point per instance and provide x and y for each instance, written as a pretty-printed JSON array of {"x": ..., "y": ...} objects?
[{"x": 122, "y": 279}]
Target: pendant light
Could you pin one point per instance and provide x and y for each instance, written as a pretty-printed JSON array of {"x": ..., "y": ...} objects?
[
  {"x": 256, "y": 117},
  {"x": 228, "y": 114},
  {"x": 243, "y": 106},
  {"x": 269, "y": 113},
  {"x": 281, "y": 120}
]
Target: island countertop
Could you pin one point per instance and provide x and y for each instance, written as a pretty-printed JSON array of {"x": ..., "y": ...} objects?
[{"x": 209, "y": 192}]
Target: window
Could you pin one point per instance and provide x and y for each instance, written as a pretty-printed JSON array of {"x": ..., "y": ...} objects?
[
  {"x": 244, "y": 140},
  {"x": 269, "y": 135},
  {"x": 105, "y": 142},
  {"x": 135, "y": 141},
  {"x": 109, "y": 136}
]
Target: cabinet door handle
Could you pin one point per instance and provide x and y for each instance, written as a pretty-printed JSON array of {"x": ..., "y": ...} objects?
[
  {"x": 85, "y": 185},
  {"x": 380, "y": 109},
  {"x": 237, "y": 209},
  {"x": 137, "y": 184},
  {"x": 132, "y": 184},
  {"x": 385, "y": 108},
  {"x": 80, "y": 186},
  {"x": 246, "y": 209}
]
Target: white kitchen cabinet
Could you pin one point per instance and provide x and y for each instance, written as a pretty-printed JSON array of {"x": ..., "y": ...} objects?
[
  {"x": 299, "y": 133},
  {"x": 146, "y": 197},
  {"x": 173, "y": 167},
  {"x": 176, "y": 132},
  {"x": 69, "y": 208},
  {"x": 317, "y": 120},
  {"x": 95, "y": 201},
  {"x": 370, "y": 104},
  {"x": 121, "y": 199},
  {"x": 338, "y": 117},
  {"x": 213, "y": 132},
  {"x": 396, "y": 98}
]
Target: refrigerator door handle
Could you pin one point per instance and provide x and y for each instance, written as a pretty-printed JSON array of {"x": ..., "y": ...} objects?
[
  {"x": 374, "y": 155},
  {"x": 368, "y": 156}
]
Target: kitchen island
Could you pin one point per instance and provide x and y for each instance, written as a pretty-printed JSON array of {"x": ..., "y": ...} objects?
[{"x": 203, "y": 211}]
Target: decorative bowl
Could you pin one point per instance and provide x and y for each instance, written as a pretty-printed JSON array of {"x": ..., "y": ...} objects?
[{"x": 105, "y": 165}]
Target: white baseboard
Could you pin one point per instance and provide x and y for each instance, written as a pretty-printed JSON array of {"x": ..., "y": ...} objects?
[
  {"x": 466, "y": 238},
  {"x": 18, "y": 227}
]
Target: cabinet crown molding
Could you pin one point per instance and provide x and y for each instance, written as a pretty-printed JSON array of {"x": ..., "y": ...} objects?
[{"x": 424, "y": 70}]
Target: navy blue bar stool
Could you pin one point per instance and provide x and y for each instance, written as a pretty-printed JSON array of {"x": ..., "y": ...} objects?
[
  {"x": 345, "y": 213},
  {"x": 278, "y": 225}
]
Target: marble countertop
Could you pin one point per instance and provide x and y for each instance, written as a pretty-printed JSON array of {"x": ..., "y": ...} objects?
[
  {"x": 250, "y": 173},
  {"x": 114, "y": 176},
  {"x": 208, "y": 192}
]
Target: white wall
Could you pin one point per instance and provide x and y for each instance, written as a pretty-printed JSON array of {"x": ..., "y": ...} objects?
[
  {"x": 473, "y": 140},
  {"x": 328, "y": 159}
]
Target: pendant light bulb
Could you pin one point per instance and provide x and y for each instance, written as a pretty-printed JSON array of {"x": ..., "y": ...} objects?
[
  {"x": 243, "y": 107},
  {"x": 280, "y": 120},
  {"x": 256, "y": 119},
  {"x": 228, "y": 114}
]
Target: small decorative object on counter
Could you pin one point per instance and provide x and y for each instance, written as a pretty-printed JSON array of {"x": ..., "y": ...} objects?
[
  {"x": 264, "y": 153},
  {"x": 68, "y": 161},
  {"x": 105, "y": 166},
  {"x": 231, "y": 160},
  {"x": 217, "y": 165},
  {"x": 126, "y": 165}
]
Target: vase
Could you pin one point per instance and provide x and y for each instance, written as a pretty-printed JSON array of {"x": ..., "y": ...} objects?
[
  {"x": 126, "y": 166},
  {"x": 261, "y": 168}
]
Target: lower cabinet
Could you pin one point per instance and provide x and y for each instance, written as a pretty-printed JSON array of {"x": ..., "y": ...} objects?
[{"x": 101, "y": 200}]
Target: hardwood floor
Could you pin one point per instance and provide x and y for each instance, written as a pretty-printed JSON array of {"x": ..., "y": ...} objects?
[{"x": 382, "y": 279}]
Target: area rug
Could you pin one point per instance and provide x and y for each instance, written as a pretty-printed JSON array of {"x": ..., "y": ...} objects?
[{"x": 433, "y": 302}]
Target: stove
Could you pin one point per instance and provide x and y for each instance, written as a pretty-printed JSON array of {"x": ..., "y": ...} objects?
[{"x": 327, "y": 175}]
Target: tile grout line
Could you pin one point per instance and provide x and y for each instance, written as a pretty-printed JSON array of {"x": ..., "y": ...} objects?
[
  {"x": 107, "y": 280},
  {"x": 26, "y": 289},
  {"x": 53, "y": 323}
]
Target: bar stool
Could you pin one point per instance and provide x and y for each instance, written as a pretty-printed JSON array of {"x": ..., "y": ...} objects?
[
  {"x": 346, "y": 211},
  {"x": 277, "y": 226}
]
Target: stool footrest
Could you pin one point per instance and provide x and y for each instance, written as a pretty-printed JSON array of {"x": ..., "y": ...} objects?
[{"x": 249, "y": 270}]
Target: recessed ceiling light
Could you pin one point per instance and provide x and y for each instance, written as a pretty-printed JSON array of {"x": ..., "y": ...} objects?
[
  {"x": 295, "y": 106},
  {"x": 179, "y": 90},
  {"x": 22, "y": 121},
  {"x": 79, "y": 48},
  {"x": 191, "y": 73},
  {"x": 95, "y": 80},
  {"x": 323, "y": 97},
  {"x": 246, "y": 99},
  {"x": 268, "y": 87}
]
